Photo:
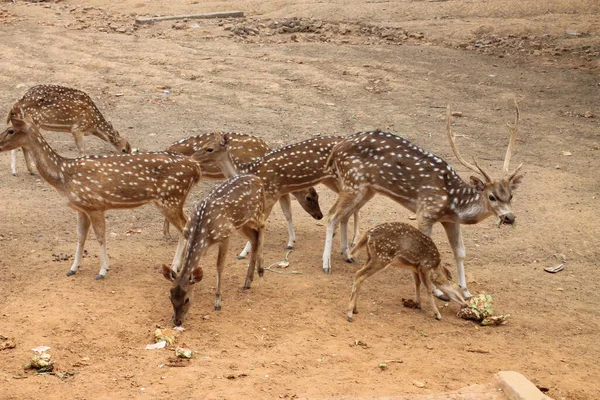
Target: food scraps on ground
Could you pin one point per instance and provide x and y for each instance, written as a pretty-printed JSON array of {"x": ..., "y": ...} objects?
[
  {"x": 183, "y": 352},
  {"x": 480, "y": 308},
  {"x": 40, "y": 362},
  {"x": 165, "y": 335}
]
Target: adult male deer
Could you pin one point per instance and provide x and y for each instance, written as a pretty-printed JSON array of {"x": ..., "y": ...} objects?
[
  {"x": 63, "y": 109},
  {"x": 381, "y": 162},
  {"x": 395, "y": 244},
  {"x": 289, "y": 168},
  {"x": 236, "y": 204},
  {"x": 243, "y": 149},
  {"x": 95, "y": 184}
]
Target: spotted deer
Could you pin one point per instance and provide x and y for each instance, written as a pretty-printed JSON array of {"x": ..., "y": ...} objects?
[
  {"x": 94, "y": 184},
  {"x": 62, "y": 109},
  {"x": 367, "y": 163},
  {"x": 235, "y": 205},
  {"x": 286, "y": 169},
  {"x": 396, "y": 244},
  {"x": 243, "y": 149}
]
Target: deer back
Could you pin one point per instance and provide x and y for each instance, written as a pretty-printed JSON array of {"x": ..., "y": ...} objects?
[
  {"x": 242, "y": 147},
  {"x": 60, "y": 108},
  {"x": 123, "y": 181},
  {"x": 396, "y": 241},
  {"x": 237, "y": 202}
]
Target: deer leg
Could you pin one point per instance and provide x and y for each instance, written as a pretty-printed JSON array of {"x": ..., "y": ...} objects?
[
  {"x": 417, "y": 287},
  {"x": 176, "y": 217},
  {"x": 252, "y": 235},
  {"x": 78, "y": 137},
  {"x": 426, "y": 226},
  {"x": 458, "y": 248},
  {"x": 344, "y": 227},
  {"x": 13, "y": 162},
  {"x": 426, "y": 278},
  {"x": 99, "y": 226},
  {"x": 267, "y": 211},
  {"x": 371, "y": 268},
  {"x": 286, "y": 207},
  {"x": 344, "y": 205},
  {"x": 166, "y": 233},
  {"x": 83, "y": 226},
  {"x": 223, "y": 247},
  {"x": 356, "y": 232}
]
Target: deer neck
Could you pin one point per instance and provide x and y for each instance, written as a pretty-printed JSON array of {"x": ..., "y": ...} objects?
[
  {"x": 228, "y": 166},
  {"x": 468, "y": 204},
  {"x": 50, "y": 164}
]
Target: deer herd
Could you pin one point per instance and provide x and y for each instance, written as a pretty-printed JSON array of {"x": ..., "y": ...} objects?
[{"x": 355, "y": 167}]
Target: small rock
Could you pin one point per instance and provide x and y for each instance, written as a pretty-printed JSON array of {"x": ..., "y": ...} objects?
[
  {"x": 457, "y": 114},
  {"x": 419, "y": 384},
  {"x": 589, "y": 114}
]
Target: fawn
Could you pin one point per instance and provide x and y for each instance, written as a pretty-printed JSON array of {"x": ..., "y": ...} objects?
[
  {"x": 94, "y": 184},
  {"x": 243, "y": 149},
  {"x": 236, "y": 204},
  {"x": 367, "y": 163},
  {"x": 64, "y": 109},
  {"x": 396, "y": 244},
  {"x": 283, "y": 170}
]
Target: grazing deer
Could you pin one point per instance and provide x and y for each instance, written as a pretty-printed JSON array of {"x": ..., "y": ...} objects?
[
  {"x": 95, "y": 184},
  {"x": 381, "y": 162},
  {"x": 63, "y": 109},
  {"x": 243, "y": 149},
  {"x": 289, "y": 168},
  {"x": 236, "y": 204},
  {"x": 395, "y": 244}
]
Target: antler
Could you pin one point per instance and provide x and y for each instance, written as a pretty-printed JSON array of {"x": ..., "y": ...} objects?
[
  {"x": 513, "y": 131},
  {"x": 475, "y": 168}
]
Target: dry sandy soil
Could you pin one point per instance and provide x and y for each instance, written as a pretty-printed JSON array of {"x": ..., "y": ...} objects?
[{"x": 352, "y": 65}]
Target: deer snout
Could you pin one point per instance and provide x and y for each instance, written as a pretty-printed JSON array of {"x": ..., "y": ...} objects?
[
  {"x": 177, "y": 322},
  {"x": 508, "y": 219},
  {"x": 318, "y": 215}
]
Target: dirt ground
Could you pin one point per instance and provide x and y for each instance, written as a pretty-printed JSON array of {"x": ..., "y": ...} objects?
[{"x": 340, "y": 67}]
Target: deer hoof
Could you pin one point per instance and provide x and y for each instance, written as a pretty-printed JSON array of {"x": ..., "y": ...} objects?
[
  {"x": 350, "y": 260},
  {"x": 350, "y": 318},
  {"x": 327, "y": 271},
  {"x": 438, "y": 316},
  {"x": 261, "y": 272},
  {"x": 218, "y": 308},
  {"x": 15, "y": 174},
  {"x": 98, "y": 277},
  {"x": 289, "y": 248},
  {"x": 71, "y": 273},
  {"x": 240, "y": 257}
]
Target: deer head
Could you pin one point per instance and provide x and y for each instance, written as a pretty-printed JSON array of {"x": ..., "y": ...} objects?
[
  {"x": 15, "y": 136},
  {"x": 120, "y": 144},
  {"x": 309, "y": 200},
  {"x": 497, "y": 193},
  {"x": 214, "y": 150},
  {"x": 182, "y": 291}
]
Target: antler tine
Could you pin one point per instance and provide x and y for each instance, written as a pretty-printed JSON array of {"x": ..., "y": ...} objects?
[
  {"x": 475, "y": 168},
  {"x": 513, "y": 131}
]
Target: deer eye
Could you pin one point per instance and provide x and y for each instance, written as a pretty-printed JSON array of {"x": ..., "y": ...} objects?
[
  {"x": 11, "y": 131},
  {"x": 209, "y": 150},
  {"x": 187, "y": 300},
  {"x": 492, "y": 198}
]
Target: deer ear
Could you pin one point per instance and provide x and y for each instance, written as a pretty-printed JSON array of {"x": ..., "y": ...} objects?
[
  {"x": 16, "y": 121},
  {"x": 196, "y": 276},
  {"x": 478, "y": 183},
  {"x": 515, "y": 181},
  {"x": 168, "y": 273},
  {"x": 225, "y": 140}
]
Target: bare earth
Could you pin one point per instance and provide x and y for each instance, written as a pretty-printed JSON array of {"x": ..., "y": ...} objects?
[{"x": 353, "y": 65}]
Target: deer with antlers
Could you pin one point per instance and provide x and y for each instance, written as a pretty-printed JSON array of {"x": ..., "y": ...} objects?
[
  {"x": 235, "y": 205},
  {"x": 395, "y": 244},
  {"x": 94, "y": 184},
  {"x": 367, "y": 163},
  {"x": 289, "y": 168},
  {"x": 63, "y": 109},
  {"x": 243, "y": 149}
]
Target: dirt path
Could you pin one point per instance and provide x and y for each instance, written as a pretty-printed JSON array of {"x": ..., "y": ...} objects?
[{"x": 288, "y": 335}]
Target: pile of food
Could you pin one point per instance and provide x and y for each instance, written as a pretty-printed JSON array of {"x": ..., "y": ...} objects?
[{"x": 480, "y": 308}]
